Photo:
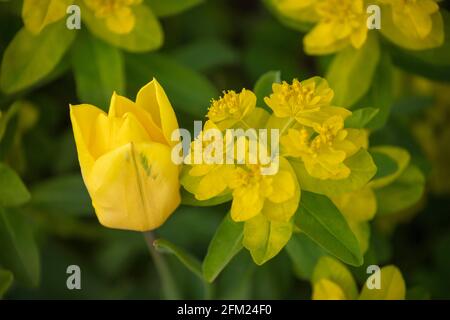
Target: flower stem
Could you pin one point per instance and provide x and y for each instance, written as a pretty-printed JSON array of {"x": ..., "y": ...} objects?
[
  {"x": 287, "y": 126},
  {"x": 169, "y": 288}
]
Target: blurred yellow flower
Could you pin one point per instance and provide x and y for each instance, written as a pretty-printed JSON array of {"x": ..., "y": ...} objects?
[
  {"x": 118, "y": 14},
  {"x": 231, "y": 108},
  {"x": 125, "y": 159},
  {"x": 37, "y": 14},
  {"x": 340, "y": 23},
  {"x": 332, "y": 280},
  {"x": 413, "y": 17}
]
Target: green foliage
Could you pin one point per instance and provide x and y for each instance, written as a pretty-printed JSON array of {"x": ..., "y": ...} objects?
[
  {"x": 361, "y": 118},
  {"x": 187, "y": 259},
  {"x": 304, "y": 254},
  {"x": 146, "y": 35},
  {"x": 29, "y": 58},
  {"x": 320, "y": 220},
  {"x": 351, "y": 72},
  {"x": 6, "y": 279},
  {"x": 65, "y": 195},
  {"x": 362, "y": 170},
  {"x": 225, "y": 244},
  {"x": 13, "y": 192},
  {"x": 100, "y": 66},
  {"x": 19, "y": 252},
  {"x": 403, "y": 193},
  {"x": 206, "y": 54},
  {"x": 385, "y": 165},
  {"x": 164, "y": 8},
  {"x": 188, "y": 90}
]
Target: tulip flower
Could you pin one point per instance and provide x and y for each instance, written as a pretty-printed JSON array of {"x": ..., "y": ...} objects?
[{"x": 125, "y": 159}]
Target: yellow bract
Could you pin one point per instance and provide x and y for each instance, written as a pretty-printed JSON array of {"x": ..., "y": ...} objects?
[
  {"x": 251, "y": 189},
  {"x": 333, "y": 281},
  {"x": 324, "y": 154},
  {"x": 118, "y": 14},
  {"x": 37, "y": 14},
  {"x": 125, "y": 159},
  {"x": 303, "y": 101},
  {"x": 413, "y": 17},
  {"x": 231, "y": 108},
  {"x": 340, "y": 23}
]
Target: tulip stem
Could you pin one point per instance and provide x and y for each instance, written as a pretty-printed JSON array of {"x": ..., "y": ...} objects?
[{"x": 169, "y": 287}]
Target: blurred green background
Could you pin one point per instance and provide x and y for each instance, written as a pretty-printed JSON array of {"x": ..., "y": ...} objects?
[{"x": 214, "y": 46}]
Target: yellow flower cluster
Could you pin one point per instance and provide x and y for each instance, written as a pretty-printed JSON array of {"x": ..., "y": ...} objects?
[
  {"x": 337, "y": 24},
  {"x": 315, "y": 128},
  {"x": 311, "y": 130}
]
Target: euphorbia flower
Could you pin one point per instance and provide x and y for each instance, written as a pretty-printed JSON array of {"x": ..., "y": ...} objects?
[
  {"x": 231, "y": 108},
  {"x": 125, "y": 159},
  {"x": 324, "y": 149},
  {"x": 118, "y": 14},
  {"x": 307, "y": 102},
  {"x": 340, "y": 23},
  {"x": 255, "y": 193}
]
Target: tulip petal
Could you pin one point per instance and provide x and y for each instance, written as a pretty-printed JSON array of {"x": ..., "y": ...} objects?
[
  {"x": 153, "y": 99},
  {"x": 135, "y": 187},
  {"x": 121, "y": 105},
  {"x": 83, "y": 118}
]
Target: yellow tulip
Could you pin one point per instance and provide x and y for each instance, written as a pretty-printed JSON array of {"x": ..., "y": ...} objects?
[{"x": 125, "y": 159}]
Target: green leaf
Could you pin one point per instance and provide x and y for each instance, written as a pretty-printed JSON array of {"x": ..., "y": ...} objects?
[
  {"x": 206, "y": 54},
  {"x": 351, "y": 73},
  {"x": 362, "y": 170},
  {"x": 403, "y": 193},
  {"x": 147, "y": 34},
  {"x": 385, "y": 164},
  {"x": 189, "y": 261},
  {"x": 6, "y": 279},
  {"x": 6, "y": 117},
  {"x": 392, "y": 286},
  {"x": 18, "y": 250},
  {"x": 65, "y": 195},
  {"x": 360, "y": 118},
  {"x": 263, "y": 87},
  {"x": 265, "y": 238},
  {"x": 225, "y": 244},
  {"x": 381, "y": 93},
  {"x": 188, "y": 91},
  {"x": 189, "y": 199},
  {"x": 304, "y": 254},
  {"x": 29, "y": 58},
  {"x": 98, "y": 70},
  {"x": 401, "y": 158},
  {"x": 13, "y": 192},
  {"x": 320, "y": 220},
  {"x": 331, "y": 269},
  {"x": 290, "y": 22},
  {"x": 164, "y": 8}
]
